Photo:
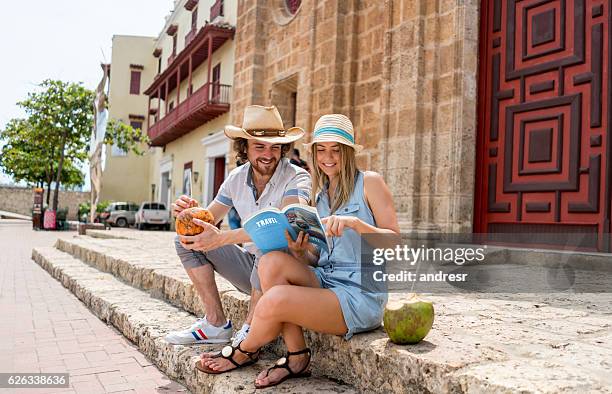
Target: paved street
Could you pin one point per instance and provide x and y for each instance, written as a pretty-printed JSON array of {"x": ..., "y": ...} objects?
[{"x": 44, "y": 328}]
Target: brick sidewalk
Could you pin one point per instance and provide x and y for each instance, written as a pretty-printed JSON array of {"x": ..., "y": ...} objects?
[{"x": 44, "y": 328}]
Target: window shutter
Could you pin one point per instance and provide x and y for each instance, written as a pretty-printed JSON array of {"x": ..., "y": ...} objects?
[
  {"x": 194, "y": 18},
  {"x": 135, "y": 82}
]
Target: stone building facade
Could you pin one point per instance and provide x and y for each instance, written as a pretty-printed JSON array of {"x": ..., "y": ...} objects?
[{"x": 403, "y": 71}]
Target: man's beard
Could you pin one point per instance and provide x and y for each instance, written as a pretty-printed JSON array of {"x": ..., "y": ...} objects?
[{"x": 265, "y": 170}]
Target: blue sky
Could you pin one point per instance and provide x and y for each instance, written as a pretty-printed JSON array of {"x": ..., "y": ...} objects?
[{"x": 65, "y": 39}]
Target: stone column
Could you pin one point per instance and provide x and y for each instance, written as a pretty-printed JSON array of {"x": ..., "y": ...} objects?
[{"x": 429, "y": 111}]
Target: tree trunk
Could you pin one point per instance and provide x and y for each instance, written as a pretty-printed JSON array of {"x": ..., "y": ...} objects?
[
  {"x": 59, "y": 171},
  {"x": 48, "y": 191},
  {"x": 50, "y": 175}
]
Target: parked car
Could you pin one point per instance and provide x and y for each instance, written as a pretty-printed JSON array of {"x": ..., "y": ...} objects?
[
  {"x": 153, "y": 214},
  {"x": 120, "y": 214}
]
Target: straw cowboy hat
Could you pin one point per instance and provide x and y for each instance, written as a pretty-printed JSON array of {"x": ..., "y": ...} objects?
[
  {"x": 334, "y": 127},
  {"x": 264, "y": 124}
]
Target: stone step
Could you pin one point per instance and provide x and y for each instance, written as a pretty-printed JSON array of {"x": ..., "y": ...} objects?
[
  {"x": 145, "y": 320},
  {"x": 479, "y": 343}
]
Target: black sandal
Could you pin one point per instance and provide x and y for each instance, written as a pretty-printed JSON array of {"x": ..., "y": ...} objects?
[
  {"x": 284, "y": 363},
  {"x": 228, "y": 353}
]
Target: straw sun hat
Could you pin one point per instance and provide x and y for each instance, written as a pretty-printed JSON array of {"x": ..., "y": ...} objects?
[
  {"x": 264, "y": 124},
  {"x": 334, "y": 127}
]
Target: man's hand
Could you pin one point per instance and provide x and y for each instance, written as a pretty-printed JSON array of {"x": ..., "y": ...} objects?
[
  {"x": 335, "y": 225},
  {"x": 182, "y": 203},
  {"x": 209, "y": 239}
]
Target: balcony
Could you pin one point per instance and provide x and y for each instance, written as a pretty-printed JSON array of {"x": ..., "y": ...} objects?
[
  {"x": 208, "y": 102},
  {"x": 207, "y": 40},
  {"x": 205, "y": 104}
]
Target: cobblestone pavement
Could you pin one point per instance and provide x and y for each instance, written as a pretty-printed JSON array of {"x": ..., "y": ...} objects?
[{"x": 44, "y": 328}]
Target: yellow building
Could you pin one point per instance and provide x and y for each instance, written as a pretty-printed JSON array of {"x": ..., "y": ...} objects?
[
  {"x": 184, "y": 98},
  {"x": 126, "y": 175}
]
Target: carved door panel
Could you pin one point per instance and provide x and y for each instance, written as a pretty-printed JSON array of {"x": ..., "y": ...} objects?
[{"x": 544, "y": 149}]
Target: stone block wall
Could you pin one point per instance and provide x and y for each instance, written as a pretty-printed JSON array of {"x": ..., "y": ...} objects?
[
  {"x": 404, "y": 71},
  {"x": 20, "y": 200}
]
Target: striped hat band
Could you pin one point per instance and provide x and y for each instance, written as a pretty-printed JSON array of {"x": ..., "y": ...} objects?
[{"x": 333, "y": 131}]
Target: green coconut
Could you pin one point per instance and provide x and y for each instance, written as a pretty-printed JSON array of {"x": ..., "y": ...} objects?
[{"x": 408, "y": 321}]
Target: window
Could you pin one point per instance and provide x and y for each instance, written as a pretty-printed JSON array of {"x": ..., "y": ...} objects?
[
  {"x": 135, "y": 82},
  {"x": 136, "y": 124},
  {"x": 293, "y": 5},
  {"x": 174, "y": 45},
  {"x": 194, "y": 19},
  {"x": 216, "y": 10},
  {"x": 187, "y": 178},
  {"x": 159, "y": 65},
  {"x": 216, "y": 78}
]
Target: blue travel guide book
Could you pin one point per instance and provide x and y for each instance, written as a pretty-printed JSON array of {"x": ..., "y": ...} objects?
[{"x": 267, "y": 227}]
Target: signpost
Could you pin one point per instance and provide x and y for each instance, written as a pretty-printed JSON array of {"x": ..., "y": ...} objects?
[{"x": 37, "y": 209}]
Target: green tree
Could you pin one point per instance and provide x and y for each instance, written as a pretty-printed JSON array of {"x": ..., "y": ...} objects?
[
  {"x": 28, "y": 155},
  {"x": 125, "y": 137},
  {"x": 63, "y": 111},
  {"x": 52, "y": 142}
]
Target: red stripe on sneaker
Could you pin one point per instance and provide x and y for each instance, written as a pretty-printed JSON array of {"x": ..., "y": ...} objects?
[{"x": 202, "y": 334}]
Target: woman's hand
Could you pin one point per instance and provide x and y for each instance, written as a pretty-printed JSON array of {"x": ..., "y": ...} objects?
[
  {"x": 300, "y": 246},
  {"x": 335, "y": 225},
  {"x": 182, "y": 203}
]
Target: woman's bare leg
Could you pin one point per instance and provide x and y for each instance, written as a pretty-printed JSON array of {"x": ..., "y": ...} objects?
[
  {"x": 282, "y": 269},
  {"x": 276, "y": 268},
  {"x": 314, "y": 309}
]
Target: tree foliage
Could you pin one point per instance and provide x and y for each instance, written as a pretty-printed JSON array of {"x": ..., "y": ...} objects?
[
  {"x": 125, "y": 137},
  {"x": 52, "y": 143}
]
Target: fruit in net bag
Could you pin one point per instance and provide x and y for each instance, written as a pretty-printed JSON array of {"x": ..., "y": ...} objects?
[{"x": 184, "y": 220}]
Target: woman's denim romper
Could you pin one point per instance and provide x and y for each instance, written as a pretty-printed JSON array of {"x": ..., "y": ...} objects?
[{"x": 340, "y": 271}]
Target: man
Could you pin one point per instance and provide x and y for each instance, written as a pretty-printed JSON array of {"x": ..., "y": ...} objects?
[{"x": 266, "y": 180}]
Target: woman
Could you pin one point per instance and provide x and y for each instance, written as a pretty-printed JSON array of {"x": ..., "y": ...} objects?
[{"x": 325, "y": 298}]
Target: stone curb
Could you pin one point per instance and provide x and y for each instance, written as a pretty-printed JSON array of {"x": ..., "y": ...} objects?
[
  {"x": 364, "y": 359},
  {"x": 145, "y": 320},
  {"x": 470, "y": 350}
]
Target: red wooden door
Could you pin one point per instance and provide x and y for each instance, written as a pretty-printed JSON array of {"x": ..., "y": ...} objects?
[
  {"x": 544, "y": 143},
  {"x": 219, "y": 174}
]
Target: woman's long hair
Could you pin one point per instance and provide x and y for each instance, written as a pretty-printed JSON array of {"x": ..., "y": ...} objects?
[{"x": 346, "y": 183}]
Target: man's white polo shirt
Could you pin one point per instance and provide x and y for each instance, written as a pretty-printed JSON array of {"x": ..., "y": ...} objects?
[{"x": 238, "y": 190}]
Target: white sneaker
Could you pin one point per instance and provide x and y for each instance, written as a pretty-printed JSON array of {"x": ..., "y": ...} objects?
[
  {"x": 201, "y": 332},
  {"x": 241, "y": 335}
]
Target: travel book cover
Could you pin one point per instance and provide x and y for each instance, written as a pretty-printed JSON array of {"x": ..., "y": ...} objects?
[{"x": 267, "y": 227}]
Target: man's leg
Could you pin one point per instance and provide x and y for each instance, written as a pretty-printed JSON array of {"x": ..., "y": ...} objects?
[
  {"x": 231, "y": 262},
  {"x": 203, "y": 279}
]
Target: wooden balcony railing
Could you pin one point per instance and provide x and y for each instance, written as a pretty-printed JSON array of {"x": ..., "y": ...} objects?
[{"x": 205, "y": 104}]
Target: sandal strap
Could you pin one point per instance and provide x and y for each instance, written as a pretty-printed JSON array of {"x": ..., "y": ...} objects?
[
  {"x": 252, "y": 355},
  {"x": 303, "y": 351},
  {"x": 285, "y": 364}
]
